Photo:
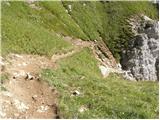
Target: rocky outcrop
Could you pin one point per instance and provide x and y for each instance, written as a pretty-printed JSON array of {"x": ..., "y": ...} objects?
[{"x": 142, "y": 56}]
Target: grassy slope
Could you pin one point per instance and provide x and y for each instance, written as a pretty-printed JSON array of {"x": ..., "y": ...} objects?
[
  {"x": 107, "y": 19},
  {"x": 87, "y": 16},
  {"x": 23, "y": 31},
  {"x": 27, "y": 30},
  {"x": 111, "y": 97},
  {"x": 61, "y": 21},
  {"x": 85, "y": 20}
]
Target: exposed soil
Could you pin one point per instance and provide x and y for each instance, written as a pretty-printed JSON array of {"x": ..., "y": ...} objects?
[{"x": 26, "y": 95}]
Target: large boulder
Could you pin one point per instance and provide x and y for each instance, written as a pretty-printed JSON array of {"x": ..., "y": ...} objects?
[{"x": 142, "y": 55}]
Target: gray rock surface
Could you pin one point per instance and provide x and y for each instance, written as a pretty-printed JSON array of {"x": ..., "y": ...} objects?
[{"x": 142, "y": 56}]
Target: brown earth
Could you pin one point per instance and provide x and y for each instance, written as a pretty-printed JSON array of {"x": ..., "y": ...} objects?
[{"x": 26, "y": 95}]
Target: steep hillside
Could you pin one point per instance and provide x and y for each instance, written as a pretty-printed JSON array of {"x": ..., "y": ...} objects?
[
  {"x": 85, "y": 20},
  {"x": 109, "y": 20},
  {"x": 76, "y": 47}
]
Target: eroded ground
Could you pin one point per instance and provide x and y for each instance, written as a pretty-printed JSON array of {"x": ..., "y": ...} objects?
[{"x": 26, "y": 96}]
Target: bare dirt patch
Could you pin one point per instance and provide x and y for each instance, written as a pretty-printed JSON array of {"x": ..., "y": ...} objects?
[{"x": 27, "y": 96}]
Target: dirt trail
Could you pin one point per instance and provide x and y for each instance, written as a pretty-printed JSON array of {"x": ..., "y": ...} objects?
[
  {"x": 27, "y": 96},
  {"x": 78, "y": 45}
]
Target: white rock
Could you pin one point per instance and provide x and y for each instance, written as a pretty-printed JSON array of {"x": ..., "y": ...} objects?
[
  {"x": 19, "y": 74},
  {"x": 147, "y": 18},
  {"x": 6, "y": 93},
  {"x": 42, "y": 109},
  {"x": 82, "y": 77},
  {"x": 76, "y": 93},
  {"x": 84, "y": 4},
  {"x": 82, "y": 109},
  {"x": 70, "y": 7},
  {"x": 29, "y": 76},
  {"x": 20, "y": 105},
  {"x": 22, "y": 73},
  {"x": 127, "y": 75},
  {"x": 66, "y": 11},
  {"x": 19, "y": 56},
  {"x": 119, "y": 66},
  {"x": 104, "y": 70},
  {"x": 35, "y": 96},
  {"x": 15, "y": 73},
  {"x": 2, "y": 114}
]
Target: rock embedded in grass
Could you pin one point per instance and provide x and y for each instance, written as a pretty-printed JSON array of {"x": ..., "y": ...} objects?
[{"x": 76, "y": 93}]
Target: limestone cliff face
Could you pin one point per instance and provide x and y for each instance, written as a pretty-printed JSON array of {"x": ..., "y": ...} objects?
[{"x": 142, "y": 56}]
